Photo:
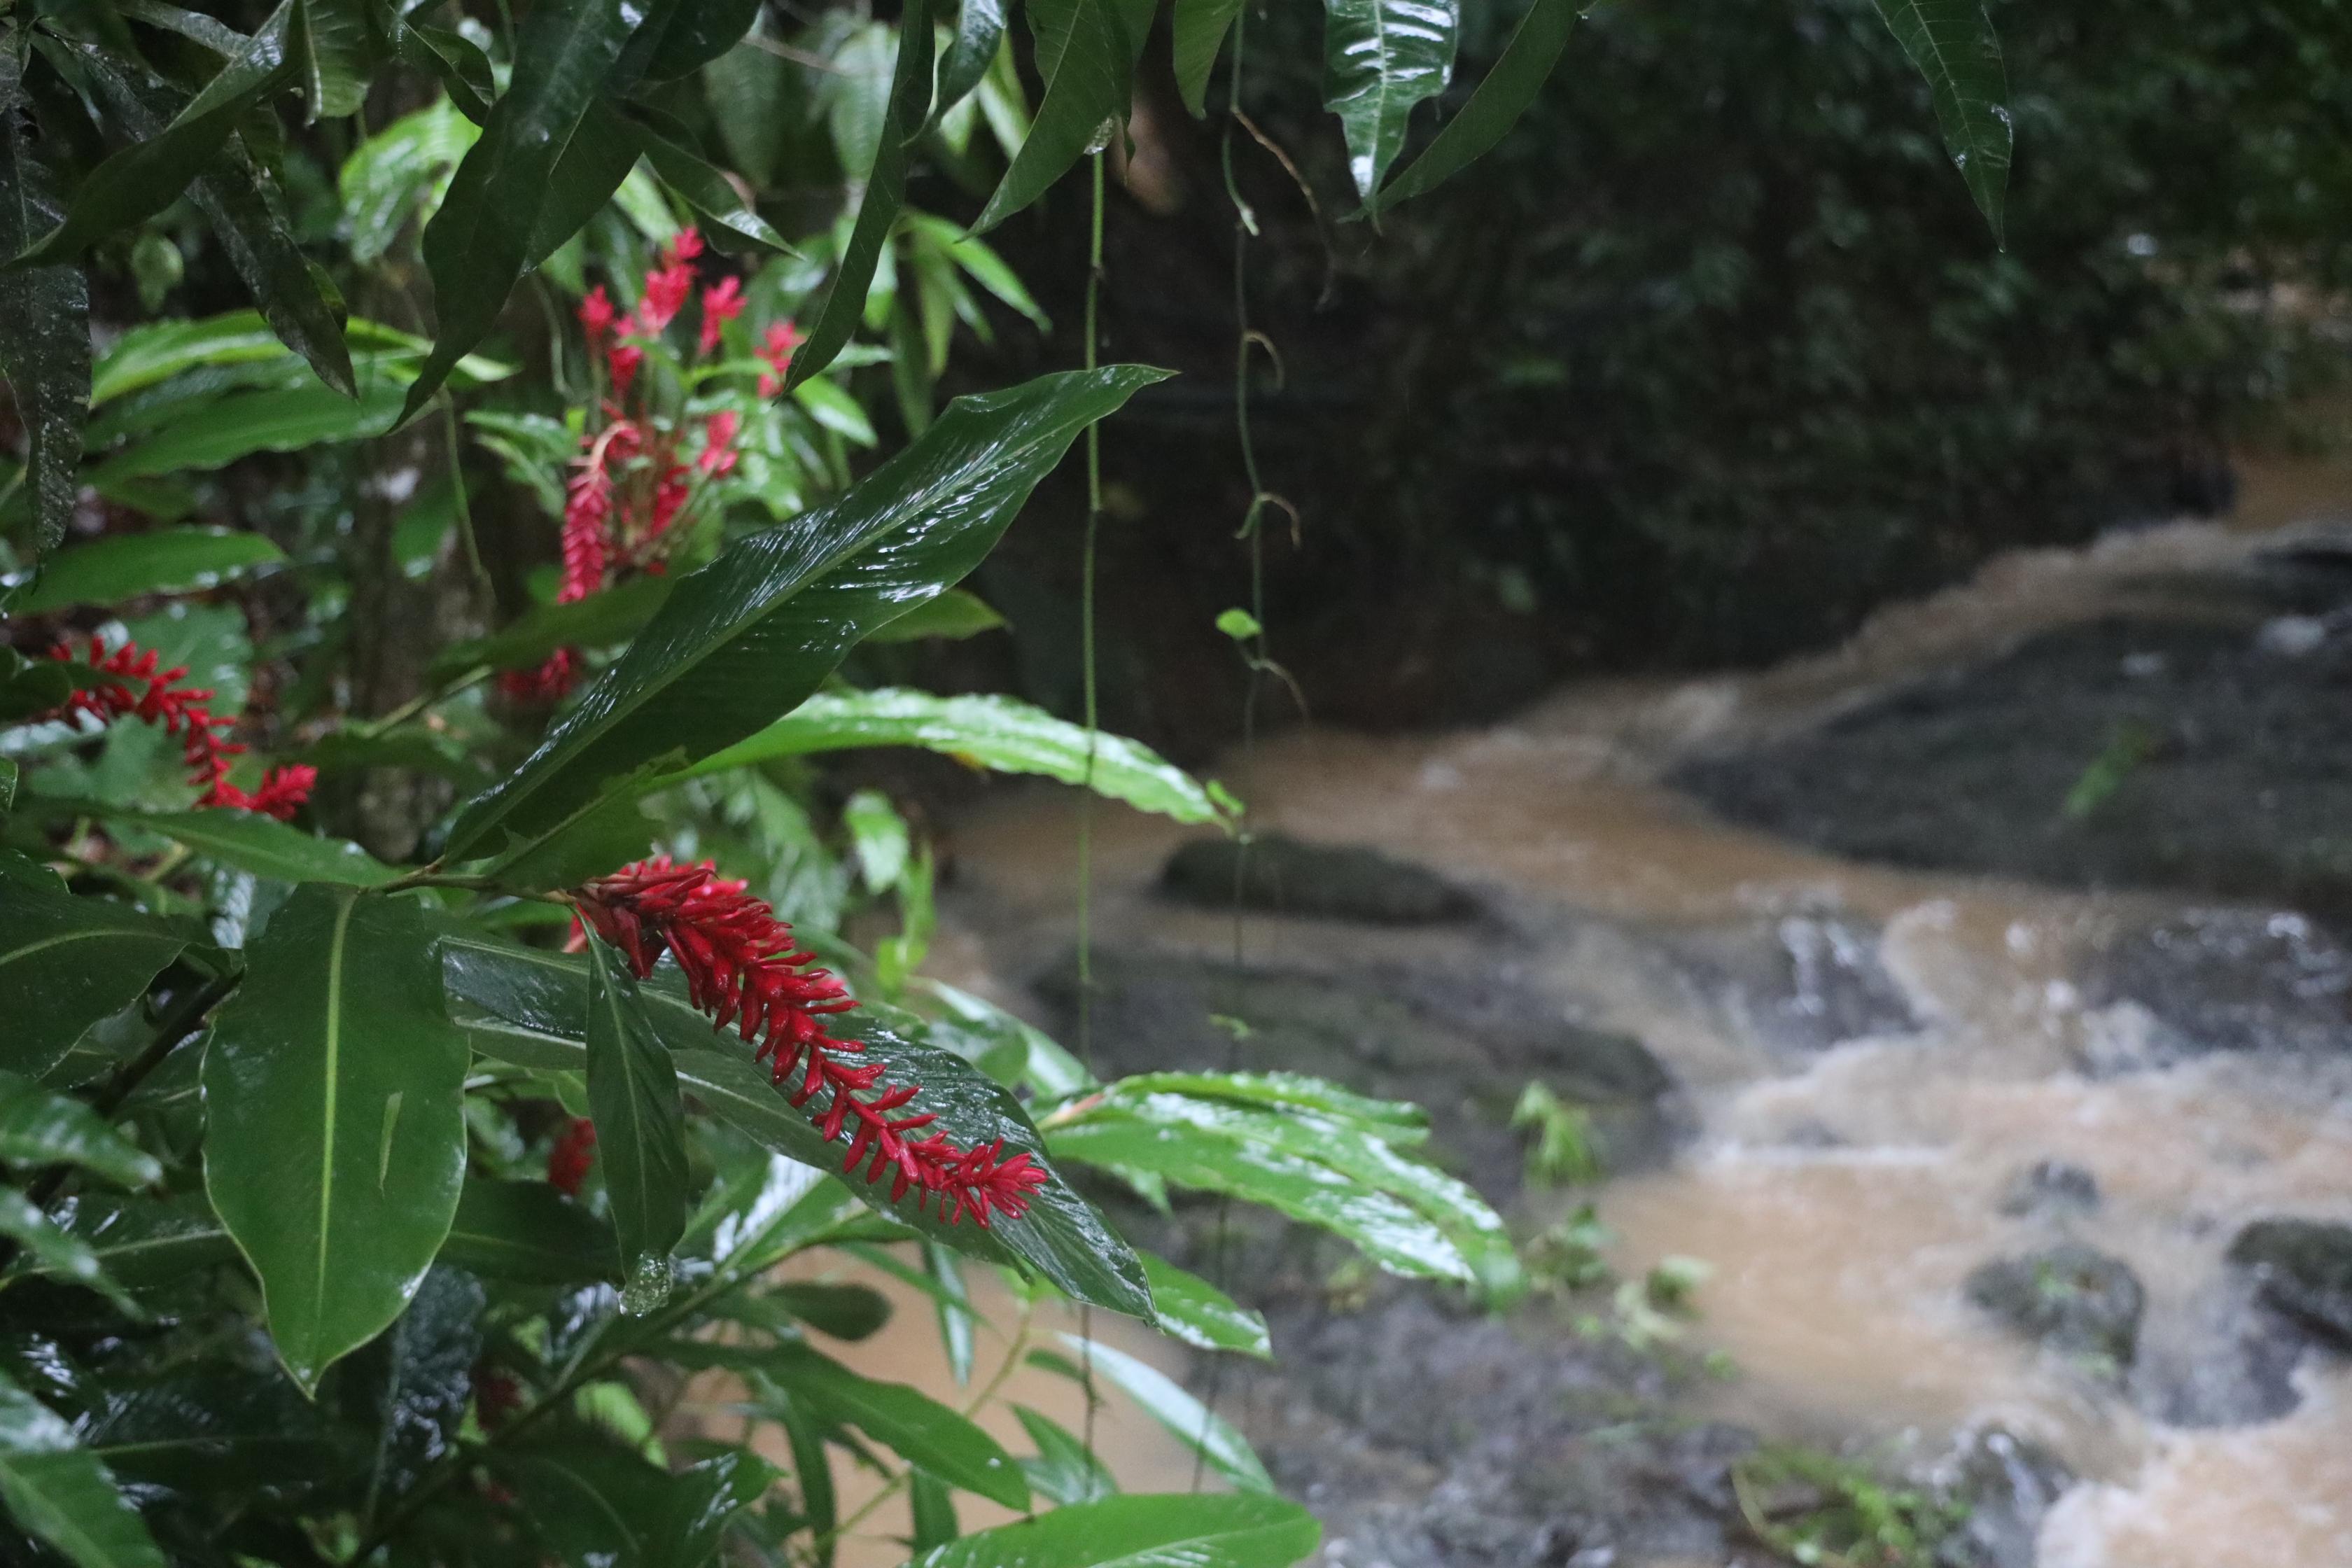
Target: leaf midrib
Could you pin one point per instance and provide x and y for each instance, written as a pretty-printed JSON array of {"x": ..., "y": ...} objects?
[{"x": 334, "y": 1056}]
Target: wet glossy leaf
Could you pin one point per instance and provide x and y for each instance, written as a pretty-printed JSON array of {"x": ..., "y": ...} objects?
[
  {"x": 1003, "y": 733},
  {"x": 1064, "y": 1469},
  {"x": 478, "y": 244},
  {"x": 1088, "y": 58},
  {"x": 683, "y": 35},
  {"x": 877, "y": 209},
  {"x": 1200, "y": 34},
  {"x": 264, "y": 846},
  {"x": 335, "y": 1145},
  {"x": 211, "y": 1429},
  {"x": 143, "y": 179},
  {"x": 595, "y": 166},
  {"x": 62, "y": 1494},
  {"x": 419, "y": 1378},
  {"x": 463, "y": 70},
  {"x": 523, "y": 1006},
  {"x": 911, "y": 1423},
  {"x": 64, "y": 963},
  {"x": 142, "y": 1242},
  {"x": 598, "y": 1505},
  {"x": 845, "y": 1312},
  {"x": 1508, "y": 88},
  {"x": 39, "y": 1128},
  {"x": 1163, "y": 1399},
  {"x": 399, "y": 173},
  {"x": 44, "y": 315},
  {"x": 640, "y": 1122},
  {"x": 529, "y": 1232},
  {"x": 274, "y": 419},
  {"x": 748, "y": 637},
  {"x": 1380, "y": 57},
  {"x": 955, "y": 614},
  {"x": 1954, "y": 46},
  {"x": 952, "y": 1303},
  {"x": 57, "y": 1252},
  {"x": 1235, "y": 1530},
  {"x": 728, "y": 219},
  {"x": 338, "y": 55},
  {"x": 980, "y": 29},
  {"x": 1191, "y": 1309},
  {"x": 168, "y": 560}
]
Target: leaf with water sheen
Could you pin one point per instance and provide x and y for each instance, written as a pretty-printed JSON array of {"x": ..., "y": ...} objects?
[
  {"x": 980, "y": 28},
  {"x": 640, "y": 1122},
  {"x": 1509, "y": 86},
  {"x": 1191, "y": 1309},
  {"x": 1954, "y": 46},
  {"x": 164, "y": 560},
  {"x": 143, "y": 1241},
  {"x": 955, "y": 614},
  {"x": 1230, "y": 1530},
  {"x": 1380, "y": 57},
  {"x": 39, "y": 1128},
  {"x": 911, "y": 1423},
  {"x": 1200, "y": 34},
  {"x": 522, "y": 1006},
  {"x": 263, "y": 846},
  {"x": 1001, "y": 733},
  {"x": 64, "y": 963},
  {"x": 44, "y": 315},
  {"x": 1087, "y": 56},
  {"x": 529, "y": 1232},
  {"x": 748, "y": 637},
  {"x": 1163, "y": 1399},
  {"x": 335, "y": 1143},
  {"x": 61, "y": 1493}
]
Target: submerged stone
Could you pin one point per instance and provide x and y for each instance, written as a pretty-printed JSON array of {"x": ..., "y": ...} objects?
[
  {"x": 2302, "y": 1268},
  {"x": 2071, "y": 1298},
  {"x": 1330, "y": 881}
]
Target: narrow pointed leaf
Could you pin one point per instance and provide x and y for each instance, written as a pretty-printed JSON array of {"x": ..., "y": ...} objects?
[
  {"x": 1192, "y": 1310},
  {"x": 954, "y": 615},
  {"x": 264, "y": 846},
  {"x": 1954, "y": 46},
  {"x": 463, "y": 69},
  {"x": 39, "y": 1128},
  {"x": 64, "y": 963},
  {"x": 727, "y": 217},
  {"x": 1509, "y": 86},
  {"x": 166, "y": 560},
  {"x": 744, "y": 640},
  {"x": 61, "y": 1493},
  {"x": 878, "y": 208},
  {"x": 980, "y": 28},
  {"x": 1088, "y": 61},
  {"x": 1064, "y": 1469},
  {"x": 57, "y": 1252},
  {"x": 141, "y": 1241},
  {"x": 640, "y": 1122},
  {"x": 998, "y": 732},
  {"x": 1232, "y": 1530},
  {"x": 337, "y": 57},
  {"x": 477, "y": 245},
  {"x": 146, "y": 178},
  {"x": 335, "y": 1143},
  {"x": 527, "y": 1231},
  {"x": 911, "y": 1423},
  {"x": 1380, "y": 57},
  {"x": 522, "y": 1006},
  {"x": 690, "y": 34},
  {"x": 595, "y": 162},
  {"x": 1163, "y": 1399},
  {"x": 44, "y": 316},
  {"x": 1200, "y": 34}
]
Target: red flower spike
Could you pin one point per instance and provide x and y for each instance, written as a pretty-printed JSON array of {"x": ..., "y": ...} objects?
[
  {"x": 128, "y": 685},
  {"x": 719, "y": 434},
  {"x": 721, "y": 303},
  {"x": 777, "y": 350},
  {"x": 741, "y": 967},
  {"x": 574, "y": 1151},
  {"x": 596, "y": 315}
]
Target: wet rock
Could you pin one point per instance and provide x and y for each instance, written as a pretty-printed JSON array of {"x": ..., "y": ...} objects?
[
  {"x": 2230, "y": 980},
  {"x": 2050, "y": 1188},
  {"x": 2118, "y": 753},
  {"x": 2228, "y": 1361},
  {"x": 2071, "y": 1298},
  {"x": 1464, "y": 1053},
  {"x": 1805, "y": 981},
  {"x": 2302, "y": 1268},
  {"x": 1329, "y": 881},
  {"x": 2006, "y": 1483}
]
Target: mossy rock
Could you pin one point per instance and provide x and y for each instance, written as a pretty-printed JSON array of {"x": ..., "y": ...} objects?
[
  {"x": 2302, "y": 1268},
  {"x": 2071, "y": 1298}
]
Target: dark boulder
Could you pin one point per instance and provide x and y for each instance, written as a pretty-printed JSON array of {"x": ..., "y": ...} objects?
[
  {"x": 1329, "y": 881},
  {"x": 2050, "y": 1188},
  {"x": 2071, "y": 1298},
  {"x": 2302, "y": 1268}
]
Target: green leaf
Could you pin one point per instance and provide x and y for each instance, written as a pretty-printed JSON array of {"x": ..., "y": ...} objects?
[
  {"x": 1191, "y": 1309},
  {"x": 1003, "y": 733},
  {"x": 167, "y": 560},
  {"x": 877, "y": 209},
  {"x": 158, "y": 351},
  {"x": 600, "y": 620},
  {"x": 142, "y": 1241},
  {"x": 529, "y": 1232},
  {"x": 956, "y": 614},
  {"x": 44, "y": 316},
  {"x": 215, "y": 1428},
  {"x": 1230, "y": 1530},
  {"x": 463, "y": 70},
  {"x": 1508, "y": 89},
  {"x": 338, "y": 57},
  {"x": 220, "y": 39},
  {"x": 1064, "y": 1469},
  {"x": 913, "y": 1425},
  {"x": 1379, "y": 58},
  {"x": 1088, "y": 58},
  {"x": 979, "y": 30},
  {"x": 38, "y": 1128},
  {"x": 729, "y": 220},
  {"x": 952, "y": 1303},
  {"x": 419, "y": 1380},
  {"x": 598, "y": 1505},
  {"x": 62, "y": 1494},
  {"x": 1193, "y": 1424},
  {"x": 478, "y": 244},
  {"x": 1200, "y": 34},
  {"x": 263, "y": 846},
  {"x": 335, "y": 1143},
  {"x": 749, "y": 637},
  {"x": 753, "y": 101},
  {"x": 689, "y": 35},
  {"x": 64, "y": 963},
  {"x": 401, "y": 172},
  {"x": 598, "y": 164},
  {"x": 57, "y": 1252},
  {"x": 931, "y": 1509},
  {"x": 143, "y": 179},
  {"x": 280, "y": 419},
  {"x": 640, "y": 1122},
  {"x": 522, "y": 1006},
  {"x": 1954, "y": 46}
]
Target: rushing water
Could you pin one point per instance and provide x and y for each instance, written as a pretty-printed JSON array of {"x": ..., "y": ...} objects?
[{"x": 1841, "y": 1196}]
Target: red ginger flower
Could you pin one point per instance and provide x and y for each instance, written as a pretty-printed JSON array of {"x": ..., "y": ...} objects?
[
  {"x": 574, "y": 1151},
  {"x": 782, "y": 340},
  {"x": 721, "y": 303},
  {"x": 596, "y": 315},
  {"x": 741, "y": 967},
  {"x": 719, "y": 434},
  {"x": 128, "y": 685},
  {"x": 668, "y": 286}
]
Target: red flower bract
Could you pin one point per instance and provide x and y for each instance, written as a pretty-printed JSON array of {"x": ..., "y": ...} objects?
[
  {"x": 741, "y": 967},
  {"x": 127, "y": 684},
  {"x": 574, "y": 1151}
]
